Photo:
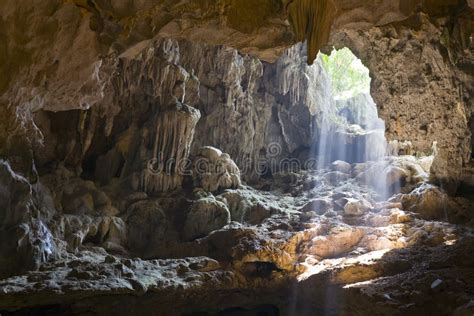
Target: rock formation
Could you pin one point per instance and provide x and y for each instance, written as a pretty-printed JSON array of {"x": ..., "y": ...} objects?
[
  {"x": 214, "y": 170},
  {"x": 205, "y": 215},
  {"x": 172, "y": 142}
]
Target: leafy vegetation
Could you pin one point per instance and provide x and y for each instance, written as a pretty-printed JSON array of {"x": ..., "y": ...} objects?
[{"x": 349, "y": 77}]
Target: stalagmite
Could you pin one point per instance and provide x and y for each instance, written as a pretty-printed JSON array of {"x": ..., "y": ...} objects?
[{"x": 214, "y": 170}]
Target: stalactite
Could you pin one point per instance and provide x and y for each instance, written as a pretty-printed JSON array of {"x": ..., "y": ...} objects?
[
  {"x": 311, "y": 20},
  {"x": 173, "y": 135}
]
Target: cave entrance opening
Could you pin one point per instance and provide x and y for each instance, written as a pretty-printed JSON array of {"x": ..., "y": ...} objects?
[{"x": 350, "y": 130}]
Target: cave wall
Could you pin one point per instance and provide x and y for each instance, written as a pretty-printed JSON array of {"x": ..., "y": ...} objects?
[
  {"x": 421, "y": 85},
  {"x": 259, "y": 113}
]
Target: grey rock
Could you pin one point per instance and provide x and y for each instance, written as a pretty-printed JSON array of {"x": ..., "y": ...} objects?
[{"x": 205, "y": 216}]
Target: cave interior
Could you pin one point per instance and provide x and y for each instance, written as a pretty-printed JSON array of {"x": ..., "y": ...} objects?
[{"x": 250, "y": 157}]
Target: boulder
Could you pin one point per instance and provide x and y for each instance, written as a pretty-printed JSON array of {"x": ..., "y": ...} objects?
[
  {"x": 79, "y": 197},
  {"x": 341, "y": 166},
  {"x": 320, "y": 206},
  {"x": 248, "y": 206},
  {"x": 356, "y": 207},
  {"x": 214, "y": 170},
  {"x": 335, "y": 177},
  {"x": 77, "y": 230},
  {"x": 393, "y": 174},
  {"x": 359, "y": 168},
  {"x": 387, "y": 217},
  {"x": 146, "y": 225},
  {"x": 398, "y": 216},
  {"x": 117, "y": 230},
  {"x": 210, "y": 153},
  {"x": 238, "y": 202},
  {"x": 427, "y": 200},
  {"x": 375, "y": 243},
  {"x": 400, "y": 148},
  {"x": 205, "y": 215},
  {"x": 340, "y": 240},
  {"x": 257, "y": 213},
  {"x": 74, "y": 229},
  {"x": 204, "y": 265},
  {"x": 411, "y": 169}
]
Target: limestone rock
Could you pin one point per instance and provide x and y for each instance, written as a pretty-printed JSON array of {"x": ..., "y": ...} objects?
[
  {"x": 106, "y": 89},
  {"x": 387, "y": 217},
  {"x": 320, "y": 206},
  {"x": 104, "y": 231},
  {"x": 205, "y": 216},
  {"x": 241, "y": 86},
  {"x": 341, "y": 166},
  {"x": 428, "y": 201},
  {"x": 393, "y": 174},
  {"x": 356, "y": 207},
  {"x": 146, "y": 225},
  {"x": 74, "y": 229},
  {"x": 339, "y": 240},
  {"x": 311, "y": 20},
  {"x": 172, "y": 143},
  {"x": 398, "y": 148},
  {"x": 79, "y": 197},
  {"x": 248, "y": 206},
  {"x": 375, "y": 243},
  {"x": 406, "y": 170},
  {"x": 117, "y": 231},
  {"x": 214, "y": 170},
  {"x": 257, "y": 213},
  {"x": 238, "y": 203},
  {"x": 205, "y": 265},
  {"x": 25, "y": 242},
  {"x": 336, "y": 177}
]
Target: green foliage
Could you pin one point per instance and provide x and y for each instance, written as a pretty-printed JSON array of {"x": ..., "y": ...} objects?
[{"x": 349, "y": 77}]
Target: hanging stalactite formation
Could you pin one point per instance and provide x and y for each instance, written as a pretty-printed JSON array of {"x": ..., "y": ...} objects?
[{"x": 311, "y": 20}]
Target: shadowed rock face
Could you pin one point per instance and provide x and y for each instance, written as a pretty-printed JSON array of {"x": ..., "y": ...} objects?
[{"x": 144, "y": 120}]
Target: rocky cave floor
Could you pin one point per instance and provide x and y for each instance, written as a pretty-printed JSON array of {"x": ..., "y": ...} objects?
[{"x": 301, "y": 243}]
